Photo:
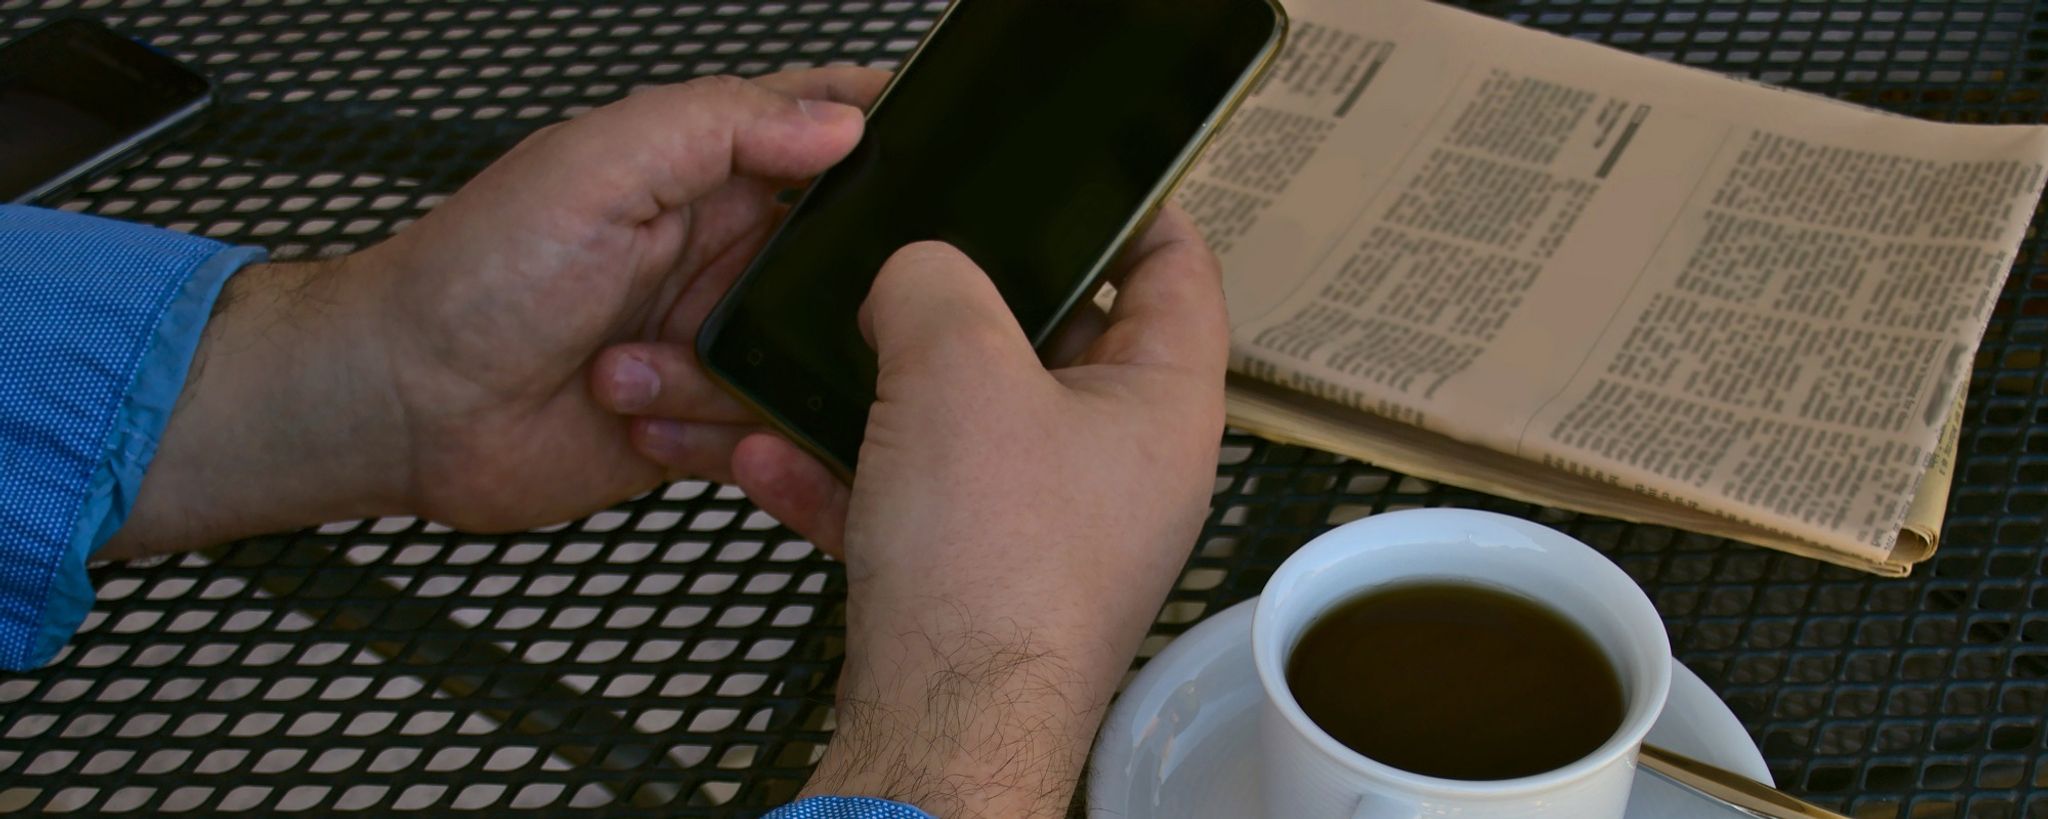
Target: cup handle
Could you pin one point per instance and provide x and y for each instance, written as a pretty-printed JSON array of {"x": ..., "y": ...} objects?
[{"x": 1375, "y": 806}]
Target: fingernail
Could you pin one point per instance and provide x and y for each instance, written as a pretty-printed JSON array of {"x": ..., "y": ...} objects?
[
  {"x": 635, "y": 384},
  {"x": 826, "y": 110},
  {"x": 663, "y": 439}
]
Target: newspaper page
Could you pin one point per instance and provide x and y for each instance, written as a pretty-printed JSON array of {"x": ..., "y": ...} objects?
[{"x": 1746, "y": 304}]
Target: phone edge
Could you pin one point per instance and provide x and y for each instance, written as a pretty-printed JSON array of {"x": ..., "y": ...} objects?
[
  {"x": 1182, "y": 164},
  {"x": 168, "y": 126},
  {"x": 715, "y": 321},
  {"x": 119, "y": 152}
]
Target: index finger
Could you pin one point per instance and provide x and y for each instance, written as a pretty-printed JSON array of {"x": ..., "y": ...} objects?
[
  {"x": 1169, "y": 308},
  {"x": 662, "y": 148}
]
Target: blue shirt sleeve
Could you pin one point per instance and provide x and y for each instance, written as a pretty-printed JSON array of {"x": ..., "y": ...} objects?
[
  {"x": 98, "y": 324},
  {"x": 846, "y": 807}
]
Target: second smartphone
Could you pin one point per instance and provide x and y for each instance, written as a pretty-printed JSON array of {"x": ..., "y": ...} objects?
[
  {"x": 77, "y": 97},
  {"x": 1037, "y": 136}
]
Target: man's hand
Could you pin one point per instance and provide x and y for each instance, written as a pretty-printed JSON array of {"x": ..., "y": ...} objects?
[
  {"x": 455, "y": 371},
  {"x": 1012, "y": 530}
]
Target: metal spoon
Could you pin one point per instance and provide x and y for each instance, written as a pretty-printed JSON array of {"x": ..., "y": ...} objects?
[{"x": 1731, "y": 789}]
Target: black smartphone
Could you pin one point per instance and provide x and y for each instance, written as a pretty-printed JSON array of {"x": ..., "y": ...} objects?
[
  {"x": 1037, "y": 136},
  {"x": 76, "y": 98}
]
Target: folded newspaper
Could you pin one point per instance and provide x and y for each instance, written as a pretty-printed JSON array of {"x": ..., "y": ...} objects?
[{"x": 1558, "y": 272}]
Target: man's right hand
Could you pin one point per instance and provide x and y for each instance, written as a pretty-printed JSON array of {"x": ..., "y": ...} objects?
[{"x": 1012, "y": 530}]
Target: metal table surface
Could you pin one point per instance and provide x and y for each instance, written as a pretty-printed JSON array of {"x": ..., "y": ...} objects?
[{"x": 675, "y": 655}]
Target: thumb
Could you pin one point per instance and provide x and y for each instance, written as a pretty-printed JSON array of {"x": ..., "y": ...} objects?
[
  {"x": 680, "y": 142},
  {"x": 932, "y": 307}
]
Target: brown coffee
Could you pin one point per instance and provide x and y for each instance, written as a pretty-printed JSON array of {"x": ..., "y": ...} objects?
[{"x": 1456, "y": 681}]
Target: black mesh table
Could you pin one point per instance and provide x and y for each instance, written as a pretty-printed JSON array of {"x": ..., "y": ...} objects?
[{"x": 675, "y": 655}]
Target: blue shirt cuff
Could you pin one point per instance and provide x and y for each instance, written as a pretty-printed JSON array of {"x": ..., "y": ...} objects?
[
  {"x": 131, "y": 443},
  {"x": 847, "y": 807},
  {"x": 99, "y": 321}
]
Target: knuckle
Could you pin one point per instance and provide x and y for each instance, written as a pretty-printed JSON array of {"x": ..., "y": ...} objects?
[
  {"x": 655, "y": 95},
  {"x": 552, "y": 130},
  {"x": 980, "y": 340},
  {"x": 720, "y": 85},
  {"x": 710, "y": 91},
  {"x": 974, "y": 351},
  {"x": 1122, "y": 342},
  {"x": 541, "y": 139}
]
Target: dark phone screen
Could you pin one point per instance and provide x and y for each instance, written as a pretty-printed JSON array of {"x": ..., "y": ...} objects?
[
  {"x": 1027, "y": 133},
  {"x": 71, "y": 90}
]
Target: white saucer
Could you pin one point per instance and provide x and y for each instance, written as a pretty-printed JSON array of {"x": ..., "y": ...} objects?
[{"x": 1177, "y": 742}]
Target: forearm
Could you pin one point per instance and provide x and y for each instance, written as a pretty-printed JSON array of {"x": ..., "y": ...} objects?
[
  {"x": 969, "y": 719},
  {"x": 285, "y": 420}
]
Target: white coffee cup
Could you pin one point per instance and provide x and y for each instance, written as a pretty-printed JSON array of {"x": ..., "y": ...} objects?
[{"x": 1307, "y": 774}]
